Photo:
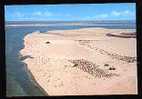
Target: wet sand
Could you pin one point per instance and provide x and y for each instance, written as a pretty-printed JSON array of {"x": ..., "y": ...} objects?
[{"x": 82, "y": 61}]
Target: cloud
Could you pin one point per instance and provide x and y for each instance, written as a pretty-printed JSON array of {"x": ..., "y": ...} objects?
[
  {"x": 47, "y": 13},
  {"x": 122, "y": 13},
  {"x": 44, "y": 15},
  {"x": 127, "y": 12},
  {"x": 39, "y": 13},
  {"x": 18, "y": 14},
  {"x": 101, "y": 16},
  {"x": 116, "y": 13},
  {"x": 98, "y": 16}
]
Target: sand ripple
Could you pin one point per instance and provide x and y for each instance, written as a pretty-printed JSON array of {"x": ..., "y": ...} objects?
[{"x": 128, "y": 59}]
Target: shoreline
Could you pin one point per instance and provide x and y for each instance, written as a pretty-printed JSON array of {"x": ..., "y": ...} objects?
[
  {"x": 32, "y": 78},
  {"x": 34, "y": 81},
  {"x": 57, "y": 37},
  {"x": 17, "y": 85}
]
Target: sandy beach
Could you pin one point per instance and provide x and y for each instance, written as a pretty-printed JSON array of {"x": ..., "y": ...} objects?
[{"x": 82, "y": 61}]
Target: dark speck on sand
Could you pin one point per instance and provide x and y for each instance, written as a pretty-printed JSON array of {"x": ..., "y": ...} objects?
[{"x": 47, "y": 42}]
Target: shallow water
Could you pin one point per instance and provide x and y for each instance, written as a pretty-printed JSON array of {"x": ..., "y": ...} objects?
[{"x": 18, "y": 78}]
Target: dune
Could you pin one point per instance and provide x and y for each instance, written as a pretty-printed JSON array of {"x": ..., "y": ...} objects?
[{"x": 82, "y": 61}]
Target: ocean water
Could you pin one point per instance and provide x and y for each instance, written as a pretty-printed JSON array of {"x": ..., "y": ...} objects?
[
  {"x": 125, "y": 24},
  {"x": 19, "y": 79}
]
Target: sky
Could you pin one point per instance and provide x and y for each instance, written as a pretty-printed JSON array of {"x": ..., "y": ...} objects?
[{"x": 70, "y": 12}]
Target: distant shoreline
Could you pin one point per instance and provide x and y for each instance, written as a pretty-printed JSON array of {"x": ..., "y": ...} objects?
[
  {"x": 124, "y": 24},
  {"x": 72, "y": 21}
]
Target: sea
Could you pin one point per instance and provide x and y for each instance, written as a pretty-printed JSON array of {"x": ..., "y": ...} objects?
[{"x": 19, "y": 81}]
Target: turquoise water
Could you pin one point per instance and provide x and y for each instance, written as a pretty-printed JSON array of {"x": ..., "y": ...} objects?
[{"x": 19, "y": 79}]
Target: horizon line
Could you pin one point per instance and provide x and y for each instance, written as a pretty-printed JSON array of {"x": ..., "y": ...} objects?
[{"x": 71, "y": 20}]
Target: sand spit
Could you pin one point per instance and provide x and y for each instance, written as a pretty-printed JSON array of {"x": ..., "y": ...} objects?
[{"x": 82, "y": 61}]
